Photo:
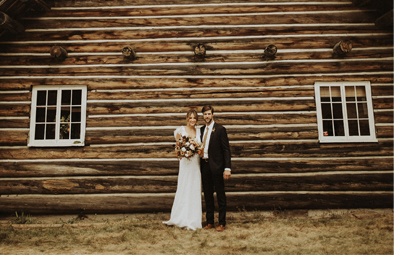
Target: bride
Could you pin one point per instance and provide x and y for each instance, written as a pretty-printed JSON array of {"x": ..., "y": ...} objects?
[{"x": 186, "y": 209}]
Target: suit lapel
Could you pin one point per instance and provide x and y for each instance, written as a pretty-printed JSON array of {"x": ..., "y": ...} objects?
[{"x": 212, "y": 131}]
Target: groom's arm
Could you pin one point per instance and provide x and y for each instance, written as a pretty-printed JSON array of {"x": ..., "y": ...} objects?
[{"x": 226, "y": 151}]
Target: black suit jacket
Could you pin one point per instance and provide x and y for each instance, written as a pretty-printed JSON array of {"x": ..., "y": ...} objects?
[{"x": 219, "y": 153}]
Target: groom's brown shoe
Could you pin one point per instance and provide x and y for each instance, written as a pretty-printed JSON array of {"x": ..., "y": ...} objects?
[
  {"x": 209, "y": 226},
  {"x": 220, "y": 228}
]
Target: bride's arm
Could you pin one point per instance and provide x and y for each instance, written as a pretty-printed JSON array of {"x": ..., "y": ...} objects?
[{"x": 177, "y": 137}]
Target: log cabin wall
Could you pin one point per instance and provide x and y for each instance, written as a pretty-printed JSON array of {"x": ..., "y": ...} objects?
[{"x": 133, "y": 106}]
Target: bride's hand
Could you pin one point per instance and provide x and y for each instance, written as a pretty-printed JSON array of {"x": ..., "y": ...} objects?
[{"x": 201, "y": 152}]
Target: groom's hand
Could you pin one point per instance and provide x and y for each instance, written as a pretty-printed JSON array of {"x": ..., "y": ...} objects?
[{"x": 227, "y": 174}]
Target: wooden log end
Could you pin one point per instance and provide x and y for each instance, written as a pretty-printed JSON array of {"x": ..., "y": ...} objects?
[{"x": 58, "y": 52}]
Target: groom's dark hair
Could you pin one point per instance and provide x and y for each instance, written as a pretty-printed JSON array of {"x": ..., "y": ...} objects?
[{"x": 206, "y": 108}]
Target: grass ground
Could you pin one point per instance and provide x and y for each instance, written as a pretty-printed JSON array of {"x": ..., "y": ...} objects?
[{"x": 327, "y": 232}]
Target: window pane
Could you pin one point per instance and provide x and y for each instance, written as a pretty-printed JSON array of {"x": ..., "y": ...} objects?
[
  {"x": 65, "y": 114},
  {"x": 364, "y": 128},
  {"x": 64, "y": 131},
  {"x": 76, "y": 114},
  {"x": 351, "y": 110},
  {"x": 339, "y": 128},
  {"x": 40, "y": 114},
  {"x": 76, "y": 97},
  {"x": 325, "y": 99},
  {"x": 50, "y": 131},
  {"x": 361, "y": 95},
  {"x": 350, "y": 94},
  {"x": 326, "y": 111},
  {"x": 52, "y": 98},
  {"x": 335, "y": 93},
  {"x": 41, "y": 98},
  {"x": 353, "y": 128},
  {"x": 362, "y": 110},
  {"x": 325, "y": 94},
  {"x": 337, "y": 111},
  {"x": 66, "y": 97},
  {"x": 51, "y": 114},
  {"x": 39, "y": 131},
  {"x": 327, "y": 127},
  {"x": 75, "y": 131}
]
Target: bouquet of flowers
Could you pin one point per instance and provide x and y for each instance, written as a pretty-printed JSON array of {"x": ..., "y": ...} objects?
[{"x": 186, "y": 147}]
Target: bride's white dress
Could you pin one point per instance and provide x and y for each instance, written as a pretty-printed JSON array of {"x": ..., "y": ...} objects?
[{"x": 186, "y": 210}]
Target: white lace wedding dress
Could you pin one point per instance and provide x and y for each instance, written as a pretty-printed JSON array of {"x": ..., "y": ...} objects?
[{"x": 186, "y": 209}]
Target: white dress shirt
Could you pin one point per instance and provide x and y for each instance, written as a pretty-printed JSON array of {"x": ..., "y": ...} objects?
[{"x": 210, "y": 127}]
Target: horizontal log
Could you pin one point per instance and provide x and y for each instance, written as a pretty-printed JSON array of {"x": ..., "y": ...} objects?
[
  {"x": 385, "y": 131},
  {"x": 250, "y": 148},
  {"x": 383, "y": 103},
  {"x": 129, "y": 135},
  {"x": 241, "y": 118},
  {"x": 14, "y": 122},
  {"x": 132, "y": 82},
  {"x": 180, "y": 7},
  {"x": 221, "y": 68},
  {"x": 309, "y": 149},
  {"x": 254, "y": 104},
  {"x": 213, "y": 43},
  {"x": 241, "y": 133},
  {"x": 124, "y": 93},
  {"x": 160, "y": 28},
  {"x": 382, "y": 90},
  {"x": 185, "y": 56},
  {"x": 14, "y": 138},
  {"x": 159, "y": 134},
  {"x": 384, "y": 117},
  {"x": 20, "y": 108},
  {"x": 135, "y": 203},
  {"x": 245, "y": 104},
  {"x": 16, "y": 96},
  {"x": 202, "y": 92},
  {"x": 138, "y": 3},
  {"x": 357, "y": 181},
  {"x": 8, "y": 110},
  {"x": 309, "y": 200},
  {"x": 168, "y": 166},
  {"x": 105, "y": 20}
]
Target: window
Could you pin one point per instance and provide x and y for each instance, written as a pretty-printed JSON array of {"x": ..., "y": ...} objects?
[
  {"x": 344, "y": 112},
  {"x": 58, "y": 116}
]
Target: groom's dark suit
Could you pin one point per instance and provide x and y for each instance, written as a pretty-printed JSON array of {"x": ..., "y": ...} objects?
[{"x": 212, "y": 169}]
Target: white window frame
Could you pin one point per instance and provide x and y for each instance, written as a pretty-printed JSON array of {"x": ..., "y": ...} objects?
[
  {"x": 57, "y": 142},
  {"x": 346, "y": 138}
]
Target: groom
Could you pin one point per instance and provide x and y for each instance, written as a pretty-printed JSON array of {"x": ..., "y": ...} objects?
[{"x": 215, "y": 167}]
